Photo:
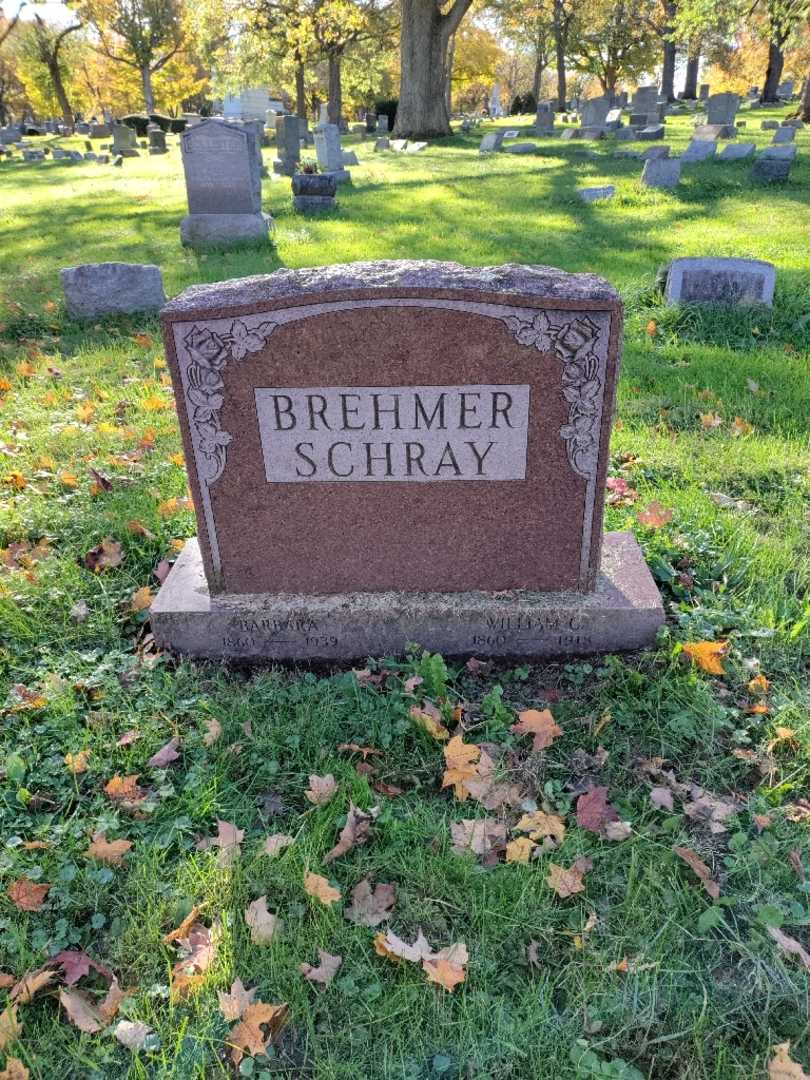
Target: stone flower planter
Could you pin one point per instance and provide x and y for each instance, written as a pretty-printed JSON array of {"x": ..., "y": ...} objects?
[{"x": 313, "y": 191}]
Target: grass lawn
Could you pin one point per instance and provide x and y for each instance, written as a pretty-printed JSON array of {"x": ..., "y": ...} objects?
[{"x": 643, "y": 973}]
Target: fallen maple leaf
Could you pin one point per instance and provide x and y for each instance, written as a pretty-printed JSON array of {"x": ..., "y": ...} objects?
[
  {"x": 444, "y": 971},
  {"x": 247, "y": 1036},
  {"x": 228, "y": 840},
  {"x": 14, "y": 1070},
  {"x": 710, "y": 420},
  {"x": 394, "y": 948},
  {"x": 481, "y": 836},
  {"x": 125, "y": 791},
  {"x": 711, "y": 810},
  {"x": 263, "y": 924},
  {"x": 783, "y": 1067},
  {"x": 234, "y": 1003},
  {"x": 461, "y": 759},
  {"x": 662, "y": 798},
  {"x": 539, "y": 825},
  {"x": 594, "y": 812},
  {"x": 6, "y": 980},
  {"x": 699, "y": 867},
  {"x": 108, "y": 851},
  {"x": 276, "y": 843},
  {"x": 106, "y": 556},
  {"x": 132, "y": 1034},
  {"x": 75, "y": 964},
  {"x": 166, "y": 755},
  {"x": 790, "y": 946},
  {"x": 27, "y": 895},
  {"x": 319, "y": 888},
  {"x": 354, "y": 748},
  {"x": 618, "y": 830},
  {"x": 85, "y": 1013},
  {"x": 520, "y": 850},
  {"x": 654, "y": 516},
  {"x": 185, "y": 926},
  {"x": 759, "y": 685},
  {"x": 128, "y": 738},
  {"x": 429, "y": 718},
  {"x": 370, "y": 906},
  {"x": 77, "y": 763},
  {"x": 541, "y": 724},
  {"x": 567, "y": 882},
  {"x": 198, "y": 948},
  {"x": 707, "y": 655},
  {"x": 213, "y": 731},
  {"x": 739, "y": 427},
  {"x": 141, "y": 599},
  {"x": 354, "y": 832},
  {"x": 325, "y": 971},
  {"x": 10, "y": 1027},
  {"x": 23, "y": 991},
  {"x": 321, "y": 789}
]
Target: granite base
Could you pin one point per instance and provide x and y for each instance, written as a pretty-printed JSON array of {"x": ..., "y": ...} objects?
[
  {"x": 624, "y": 612},
  {"x": 205, "y": 231}
]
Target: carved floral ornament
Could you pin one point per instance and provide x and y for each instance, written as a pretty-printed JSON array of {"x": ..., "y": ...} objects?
[{"x": 572, "y": 338}]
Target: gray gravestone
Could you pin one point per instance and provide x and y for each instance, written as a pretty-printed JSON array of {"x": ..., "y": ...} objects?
[
  {"x": 157, "y": 139},
  {"x": 720, "y": 281},
  {"x": 661, "y": 173},
  {"x": 699, "y": 150},
  {"x": 595, "y": 111},
  {"x": 654, "y": 131},
  {"x": 382, "y": 123},
  {"x": 595, "y": 194},
  {"x": 382, "y": 144},
  {"x": 288, "y": 143},
  {"x": 722, "y": 108},
  {"x": 111, "y": 288},
  {"x": 544, "y": 118},
  {"x": 784, "y": 135},
  {"x": 769, "y": 125},
  {"x": 491, "y": 142},
  {"x": 654, "y": 152},
  {"x": 736, "y": 151},
  {"x": 124, "y": 141},
  {"x": 716, "y": 131},
  {"x": 329, "y": 153},
  {"x": 223, "y": 185}
]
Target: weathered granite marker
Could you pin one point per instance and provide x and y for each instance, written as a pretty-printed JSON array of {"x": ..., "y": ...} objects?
[{"x": 406, "y": 451}]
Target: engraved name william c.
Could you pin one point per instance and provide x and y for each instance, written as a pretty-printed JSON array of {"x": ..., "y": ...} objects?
[{"x": 396, "y": 433}]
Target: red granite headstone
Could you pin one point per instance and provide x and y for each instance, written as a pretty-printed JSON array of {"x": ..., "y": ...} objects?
[{"x": 395, "y": 428}]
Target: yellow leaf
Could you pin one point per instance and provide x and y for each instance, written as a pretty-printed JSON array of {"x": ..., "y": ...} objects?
[
  {"x": 142, "y": 599},
  {"x": 154, "y": 403},
  {"x": 540, "y": 724},
  {"x": 177, "y": 459},
  {"x": 17, "y": 481},
  {"x": 447, "y": 974},
  {"x": 460, "y": 758},
  {"x": 783, "y": 1067},
  {"x": 320, "y": 888},
  {"x": 428, "y": 717},
  {"x": 707, "y": 655},
  {"x": 77, "y": 763},
  {"x": 25, "y": 370},
  {"x": 520, "y": 850},
  {"x": 68, "y": 480},
  {"x": 85, "y": 412},
  {"x": 539, "y": 825}
]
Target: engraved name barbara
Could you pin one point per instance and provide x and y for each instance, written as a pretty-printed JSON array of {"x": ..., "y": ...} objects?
[{"x": 393, "y": 433}]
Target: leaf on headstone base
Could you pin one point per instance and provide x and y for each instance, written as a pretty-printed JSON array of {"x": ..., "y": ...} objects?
[
  {"x": 108, "y": 851},
  {"x": 783, "y": 1067},
  {"x": 370, "y": 906},
  {"x": 567, "y": 882},
  {"x": 320, "y": 889},
  {"x": 325, "y": 971},
  {"x": 481, "y": 836},
  {"x": 263, "y": 923},
  {"x": 699, "y": 867},
  {"x": 234, "y": 1003},
  {"x": 27, "y": 895},
  {"x": 248, "y": 1037},
  {"x": 132, "y": 1034},
  {"x": 429, "y": 718},
  {"x": 321, "y": 789},
  {"x": 594, "y": 812},
  {"x": 539, "y": 723},
  {"x": 166, "y": 755},
  {"x": 10, "y": 1027},
  {"x": 707, "y": 655},
  {"x": 276, "y": 843},
  {"x": 354, "y": 832},
  {"x": 790, "y": 946}
]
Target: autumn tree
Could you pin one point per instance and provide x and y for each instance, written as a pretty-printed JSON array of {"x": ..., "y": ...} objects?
[
  {"x": 613, "y": 40},
  {"x": 140, "y": 34},
  {"x": 337, "y": 25},
  {"x": 472, "y": 64},
  {"x": 529, "y": 24},
  {"x": 7, "y": 25},
  {"x": 45, "y": 44},
  {"x": 562, "y": 22}
]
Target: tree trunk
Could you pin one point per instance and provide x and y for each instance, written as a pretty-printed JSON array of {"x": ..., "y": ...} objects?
[
  {"x": 61, "y": 93},
  {"x": 773, "y": 76},
  {"x": 300, "y": 91},
  {"x": 335, "y": 88},
  {"x": 148, "y": 93},
  {"x": 539, "y": 68},
  {"x": 424, "y": 37},
  {"x": 690, "y": 86},
  {"x": 668, "y": 71},
  {"x": 805, "y": 106},
  {"x": 448, "y": 78},
  {"x": 559, "y": 52}
]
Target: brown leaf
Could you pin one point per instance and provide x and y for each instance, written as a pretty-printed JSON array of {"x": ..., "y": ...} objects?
[
  {"x": 276, "y": 843},
  {"x": 711, "y": 810},
  {"x": 248, "y": 1036},
  {"x": 263, "y": 924},
  {"x": 662, "y": 798},
  {"x": 10, "y": 1027},
  {"x": 389, "y": 790},
  {"x": 141, "y": 599},
  {"x": 319, "y": 887},
  {"x": 540, "y": 724},
  {"x": 461, "y": 759},
  {"x": 394, "y": 948},
  {"x": 198, "y": 949},
  {"x": 228, "y": 840},
  {"x": 370, "y": 906},
  {"x": 783, "y": 1067},
  {"x": 166, "y": 755},
  {"x": 353, "y": 748},
  {"x": 6, "y": 980},
  {"x": 132, "y": 1034},
  {"x": 594, "y": 811},
  {"x": 14, "y": 1070},
  {"x": 567, "y": 882},
  {"x": 696, "y": 864},
  {"x": 81, "y": 1010},
  {"x": 108, "y": 851},
  {"x": 233, "y": 1004},
  {"x": 112, "y": 1002},
  {"x": 182, "y": 930},
  {"x": 790, "y": 946},
  {"x": 654, "y": 516},
  {"x": 213, "y": 731},
  {"x": 77, "y": 763},
  {"x": 353, "y": 833},
  {"x": 75, "y": 964},
  {"x": 106, "y": 556},
  {"x": 429, "y": 718},
  {"x": 325, "y": 971},
  {"x": 540, "y": 825},
  {"x": 129, "y": 737},
  {"x": 27, "y": 895},
  {"x": 618, "y": 830},
  {"x": 481, "y": 836},
  {"x": 795, "y": 860},
  {"x": 23, "y": 991},
  {"x": 321, "y": 789},
  {"x": 125, "y": 791},
  {"x": 491, "y": 794}
]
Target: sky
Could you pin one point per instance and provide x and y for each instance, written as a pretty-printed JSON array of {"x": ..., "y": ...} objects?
[{"x": 53, "y": 13}]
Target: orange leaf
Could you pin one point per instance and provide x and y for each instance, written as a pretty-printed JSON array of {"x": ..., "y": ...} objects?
[
  {"x": 320, "y": 889},
  {"x": 460, "y": 758},
  {"x": 108, "y": 851},
  {"x": 567, "y": 882},
  {"x": 143, "y": 340},
  {"x": 443, "y": 972},
  {"x": 707, "y": 655},
  {"x": 655, "y": 516},
  {"x": 27, "y": 895},
  {"x": 540, "y": 724},
  {"x": 696, "y": 864},
  {"x": 77, "y": 763},
  {"x": 710, "y": 420},
  {"x": 740, "y": 427}
]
